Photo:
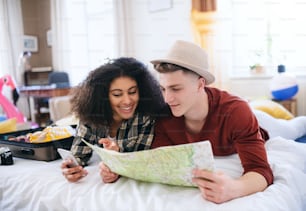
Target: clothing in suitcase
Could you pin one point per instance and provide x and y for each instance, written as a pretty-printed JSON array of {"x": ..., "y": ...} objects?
[{"x": 45, "y": 151}]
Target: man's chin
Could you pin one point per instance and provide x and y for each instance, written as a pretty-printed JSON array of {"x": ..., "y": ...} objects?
[{"x": 176, "y": 114}]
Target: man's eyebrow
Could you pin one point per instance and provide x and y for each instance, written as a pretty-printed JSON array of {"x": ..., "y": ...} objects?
[{"x": 174, "y": 85}]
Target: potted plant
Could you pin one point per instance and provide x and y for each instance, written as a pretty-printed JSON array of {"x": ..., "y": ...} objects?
[{"x": 257, "y": 67}]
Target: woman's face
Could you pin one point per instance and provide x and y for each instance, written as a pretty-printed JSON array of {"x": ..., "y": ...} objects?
[{"x": 123, "y": 97}]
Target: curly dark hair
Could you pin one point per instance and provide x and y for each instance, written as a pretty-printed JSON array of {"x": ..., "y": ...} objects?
[{"x": 90, "y": 99}]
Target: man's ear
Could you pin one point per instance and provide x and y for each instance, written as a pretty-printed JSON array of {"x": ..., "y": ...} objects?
[{"x": 202, "y": 83}]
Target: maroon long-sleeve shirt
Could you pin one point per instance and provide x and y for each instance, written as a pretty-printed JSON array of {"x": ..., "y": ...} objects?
[{"x": 230, "y": 126}]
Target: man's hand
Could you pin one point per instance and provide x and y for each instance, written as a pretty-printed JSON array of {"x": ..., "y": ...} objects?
[
  {"x": 109, "y": 144},
  {"x": 106, "y": 174},
  {"x": 72, "y": 174},
  {"x": 218, "y": 187},
  {"x": 215, "y": 187}
]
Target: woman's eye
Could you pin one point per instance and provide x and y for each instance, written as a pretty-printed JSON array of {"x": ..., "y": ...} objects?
[
  {"x": 117, "y": 94},
  {"x": 133, "y": 91}
]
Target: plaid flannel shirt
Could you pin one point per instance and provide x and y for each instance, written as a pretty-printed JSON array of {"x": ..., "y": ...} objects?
[{"x": 134, "y": 134}]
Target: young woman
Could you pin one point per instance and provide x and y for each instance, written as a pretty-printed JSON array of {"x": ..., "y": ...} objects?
[{"x": 119, "y": 101}]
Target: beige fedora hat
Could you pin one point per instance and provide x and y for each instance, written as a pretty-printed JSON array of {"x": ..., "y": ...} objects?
[{"x": 190, "y": 56}]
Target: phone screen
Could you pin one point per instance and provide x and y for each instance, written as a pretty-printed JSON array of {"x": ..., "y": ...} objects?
[{"x": 66, "y": 155}]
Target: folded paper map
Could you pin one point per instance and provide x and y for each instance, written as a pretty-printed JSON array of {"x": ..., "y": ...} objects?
[{"x": 169, "y": 165}]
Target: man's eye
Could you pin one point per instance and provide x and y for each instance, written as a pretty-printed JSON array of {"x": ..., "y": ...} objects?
[{"x": 176, "y": 89}]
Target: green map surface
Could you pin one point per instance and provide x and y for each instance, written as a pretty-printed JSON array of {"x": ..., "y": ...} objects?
[{"x": 171, "y": 165}]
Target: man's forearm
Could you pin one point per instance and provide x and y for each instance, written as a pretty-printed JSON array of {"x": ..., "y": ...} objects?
[{"x": 250, "y": 183}]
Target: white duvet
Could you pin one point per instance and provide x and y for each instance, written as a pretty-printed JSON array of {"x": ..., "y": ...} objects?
[{"x": 36, "y": 185}]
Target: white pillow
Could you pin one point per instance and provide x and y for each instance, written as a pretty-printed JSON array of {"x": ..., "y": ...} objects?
[{"x": 288, "y": 129}]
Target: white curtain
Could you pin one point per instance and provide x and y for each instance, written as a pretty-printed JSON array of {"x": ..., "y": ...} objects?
[
  {"x": 11, "y": 44},
  {"x": 83, "y": 35},
  {"x": 122, "y": 13}
]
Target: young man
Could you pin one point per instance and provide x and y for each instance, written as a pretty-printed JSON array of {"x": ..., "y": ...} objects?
[{"x": 205, "y": 113}]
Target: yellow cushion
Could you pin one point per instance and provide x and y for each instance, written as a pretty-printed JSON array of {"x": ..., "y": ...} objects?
[
  {"x": 9, "y": 125},
  {"x": 274, "y": 109}
]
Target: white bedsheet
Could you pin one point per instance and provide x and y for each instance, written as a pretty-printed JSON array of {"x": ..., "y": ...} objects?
[{"x": 36, "y": 185}]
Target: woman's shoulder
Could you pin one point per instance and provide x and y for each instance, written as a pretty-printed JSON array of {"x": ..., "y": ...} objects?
[{"x": 141, "y": 118}]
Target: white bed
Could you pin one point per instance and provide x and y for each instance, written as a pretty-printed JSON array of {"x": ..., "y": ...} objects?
[{"x": 35, "y": 185}]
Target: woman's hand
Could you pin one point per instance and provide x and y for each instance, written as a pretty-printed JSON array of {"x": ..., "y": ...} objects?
[
  {"x": 106, "y": 174},
  {"x": 109, "y": 144},
  {"x": 72, "y": 174}
]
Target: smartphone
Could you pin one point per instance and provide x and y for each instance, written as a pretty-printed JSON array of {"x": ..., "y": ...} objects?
[{"x": 66, "y": 155}]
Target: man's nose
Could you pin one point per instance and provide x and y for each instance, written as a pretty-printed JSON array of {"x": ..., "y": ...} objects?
[{"x": 168, "y": 97}]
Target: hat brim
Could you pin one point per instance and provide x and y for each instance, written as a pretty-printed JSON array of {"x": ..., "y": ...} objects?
[{"x": 209, "y": 78}]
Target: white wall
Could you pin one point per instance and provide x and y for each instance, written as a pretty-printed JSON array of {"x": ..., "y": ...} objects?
[{"x": 153, "y": 33}]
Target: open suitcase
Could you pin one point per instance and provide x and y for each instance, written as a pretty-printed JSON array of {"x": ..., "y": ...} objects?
[{"x": 36, "y": 151}]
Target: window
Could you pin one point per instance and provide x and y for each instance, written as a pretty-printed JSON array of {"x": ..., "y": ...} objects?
[
  {"x": 266, "y": 32},
  {"x": 86, "y": 35}
]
